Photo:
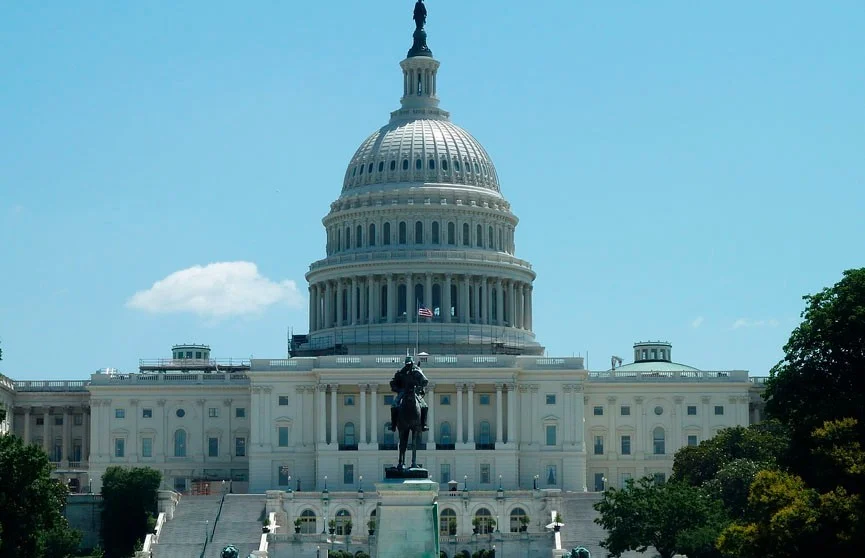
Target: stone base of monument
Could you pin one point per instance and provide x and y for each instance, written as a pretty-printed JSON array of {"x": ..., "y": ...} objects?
[{"x": 407, "y": 516}]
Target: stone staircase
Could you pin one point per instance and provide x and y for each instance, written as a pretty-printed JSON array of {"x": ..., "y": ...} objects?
[
  {"x": 184, "y": 535},
  {"x": 239, "y": 524},
  {"x": 580, "y": 528}
]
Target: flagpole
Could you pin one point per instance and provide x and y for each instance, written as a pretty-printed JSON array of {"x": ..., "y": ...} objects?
[{"x": 416, "y": 326}]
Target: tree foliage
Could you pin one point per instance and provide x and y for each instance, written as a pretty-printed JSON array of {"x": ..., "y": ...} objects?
[
  {"x": 31, "y": 504},
  {"x": 129, "y": 498}
]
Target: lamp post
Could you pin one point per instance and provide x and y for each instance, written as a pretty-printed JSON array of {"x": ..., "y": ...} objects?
[
  {"x": 465, "y": 483},
  {"x": 500, "y": 483},
  {"x": 325, "y": 484},
  {"x": 360, "y": 484},
  {"x": 317, "y": 552},
  {"x": 289, "y": 484},
  {"x": 604, "y": 483},
  {"x": 535, "y": 482}
]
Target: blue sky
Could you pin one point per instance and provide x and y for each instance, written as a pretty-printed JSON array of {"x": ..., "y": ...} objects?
[{"x": 682, "y": 170}]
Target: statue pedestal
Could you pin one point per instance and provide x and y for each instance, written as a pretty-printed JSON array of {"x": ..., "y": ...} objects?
[{"x": 407, "y": 518}]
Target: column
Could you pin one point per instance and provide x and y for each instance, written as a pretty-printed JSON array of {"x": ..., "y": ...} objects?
[
  {"x": 512, "y": 304},
  {"x": 354, "y": 302},
  {"x": 459, "y": 433},
  {"x": 391, "y": 299},
  {"x": 373, "y": 422},
  {"x": 611, "y": 426},
  {"x": 476, "y": 306},
  {"x": 431, "y": 417},
  {"x": 327, "y": 303},
  {"x": 499, "y": 415},
  {"x": 410, "y": 310},
  {"x": 446, "y": 297},
  {"x": 512, "y": 413},
  {"x": 471, "y": 422},
  {"x": 333, "y": 418},
  {"x": 26, "y": 425},
  {"x": 464, "y": 305},
  {"x": 705, "y": 400},
  {"x": 485, "y": 300},
  {"x": 500, "y": 302},
  {"x": 518, "y": 306},
  {"x": 536, "y": 416},
  {"x": 85, "y": 437},
  {"x": 567, "y": 413},
  {"x": 371, "y": 295},
  {"x": 299, "y": 413},
  {"x": 530, "y": 311},
  {"x": 46, "y": 415},
  {"x": 339, "y": 315},
  {"x": 322, "y": 413},
  {"x": 525, "y": 320},
  {"x": 639, "y": 442},
  {"x": 427, "y": 292},
  {"x": 362, "y": 388}
]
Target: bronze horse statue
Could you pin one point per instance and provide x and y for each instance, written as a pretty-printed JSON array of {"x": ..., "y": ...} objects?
[{"x": 409, "y": 422}]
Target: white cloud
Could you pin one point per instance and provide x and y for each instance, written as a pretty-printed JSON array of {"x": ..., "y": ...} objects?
[
  {"x": 747, "y": 322},
  {"x": 698, "y": 321},
  {"x": 217, "y": 290}
]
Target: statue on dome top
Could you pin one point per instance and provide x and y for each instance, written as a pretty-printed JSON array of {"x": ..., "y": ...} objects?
[{"x": 419, "y": 14}]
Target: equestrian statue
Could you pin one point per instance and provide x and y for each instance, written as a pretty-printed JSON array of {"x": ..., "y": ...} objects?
[{"x": 408, "y": 413}]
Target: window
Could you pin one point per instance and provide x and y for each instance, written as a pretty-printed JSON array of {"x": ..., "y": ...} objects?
[
  {"x": 551, "y": 399},
  {"x": 393, "y": 165},
  {"x": 466, "y": 236},
  {"x": 180, "y": 443},
  {"x": 371, "y": 236},
  {"x": 444, "y": 400},
  {"x": 240, "y": 412},
  {"x": 658, "y": 441},
  {"x": 348, "y": 473},
  {"x": 40, "y": 421},
  {"x": 58, "y": 421},
  {"x": 659, "y": 410},
  {"x": 405, "y": 164},
  {"x": 121, "y": 413},
  {"x": 491, "y": 238},
  {"x": 77, "y": 420},
  {"x": 282, "y": 475},
  {"x": 599, "y": 445},
  {"x": 418, "y": 232},
  {"x": 451, "y": 234},
  {"x": 692, "y": 410},
  {"x": 479, "y": 236},
  {"x": 402, "y": 232},
  {"x": 119, "y": 447},
  {"x": 418, "y": 164},
  {"x": 598, "y": 410},
  {"x": 358, "y": 237},
  {"x": 240, "y": 447},
  {"x": 213, "y": 412},
  {"x": 432, "y": 164},
  {"x": 448, "y": 523},
  {"x": 626, "y": 445},
  {"x": 444, "y": 473},
  {"x": 180, "y": 413},
  {"x": 435, "y": 232},
  {"x": 282, "y": 436},
  {"x": 307, "y": 522},
  {"x": 77, "y": 450},
  {"x": 484, "y": 437},
  {"x": 550, "y": 430},
  {"x": 445, "y": 433},
  {"x": 519, "y": 520},
  {"x": 692, "y": 440},
  {"x": 198, "y": 355},
  {"x": 385, "y": 235},
  {"x": 388, "y": 399},
  {"x": 343, "y": 518},
  {"x": 146, "y": 413},
  {"x": 380, "y": 166},
  {"x": 283, "y": 400},
  {"x": 348, "y": 401},
  {"x": 485, "y": 473},
  {"x": 213, "y": 447},
  {"x": 484, "y": 399},
  {"x": 600, "y": 482},
  {"x": 719, "y": 410},
  {"x": 551, "y": 475},
  {"x": 625, "y": 410},
  {"x": 348, "y": 437}
]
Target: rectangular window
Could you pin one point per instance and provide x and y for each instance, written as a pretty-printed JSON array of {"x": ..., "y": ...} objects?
[
  {"x": 388, "y": 399},
  {"x": 283, "y": 436},
  {"x": 198, "y": 355},
  {"x": 146, "y": 413},
  {"x": 484, "y": 399},
  {"x": 213, "y": 447},
  {"x": 551, "y": 475},
  {"x": 551, "y": 434},
  {"x": 445, "y": 473},
  {"x": 600, "y": 482},
  {"x": 445, "y": 400},
  {"x": 692, "y": 410},
  {"x": 692, "y": 440},
  {"x": 348, "y": 401},
  {"x": 485, "y": 473},
  {"x": 58, "y": 421},
  {"x": 40, "y": 421},
  {"x": 213, "y": 412},
  {"x": 240, "y": 412},
  {"x": 551, "y": 398},
  {"x": 625, "y": 410},
  {"x": 719, "y": 409},
  {"x": 283, "y": 475},
  {"x": 77, "y": 420},
  {"x": 119, "y": 413},
  {"x": 599, "y": 445},
  {"x": 598, "y": 410},
  {"x": 283, "y": 400},
  {"x": 146, "y": 447},
  {"x": 348, "y": 473},
  {"x": 119, "y": 447},
  {"x": 240, "y": 447},
  {"x": 626, "y": 445},
  {"x": 76, "y": 450},
  {"x": 239, "y": 475}
]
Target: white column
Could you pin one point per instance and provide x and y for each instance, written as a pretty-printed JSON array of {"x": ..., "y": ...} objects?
[
  {"x": 391, "y": 299},
  {"x": 85, "y": 437},
  {"x": 373, "y": 423},
  {"x": 471, "y": 421},
  {"x": 134, "y": 450},
  {"x": 476, "y": 306},
  {"x": 427, "y": 292},
  {"x": 410, "y": 310},
  {"x": 431, "y": 417},
  {"x": 66, "y": 434},
  {"x": 46, "y": 432},
  {"x": 362, "y": 388},
  {"x": 27, "y": 425},
  {"x": 677, "y": 424},
  {"x": 459, "y": 436},
  {"x": 352, "y": 301},
  {"x": 371, "y": 296},
  {"x": 512, "y": 304},
  {"x": 297, "y": 439},
  {"x": 311, "y": 307},
  {"x": 613, "y": 449},
  {"x": 322, "y": 413},
  {"x": 339, "y": 316},
  {"x": 705, "y": 411},
  {"x": 500, "y": 302},
  {"x": 446, "y": 298},
  {"x": 512, "y": 413},
  {"x": 529, "y": 313},
  {"x": 484, "y": 289},
  {"x": 499, "y": 414},
  {"x": 327, "y": 310},
  {"x": 464, "y": 300},
  {"x": 639, "y": 442},
  {"x": 333, "y": 418},
  {"x": 567, "y": 413},
  {"x": 536, "y": 419}
]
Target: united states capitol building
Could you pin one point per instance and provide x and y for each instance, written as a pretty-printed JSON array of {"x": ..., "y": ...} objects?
[{"x": 421, "y": 222}]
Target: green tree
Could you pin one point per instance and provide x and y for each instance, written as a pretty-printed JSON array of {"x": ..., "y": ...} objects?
[
  {"x": 668, "y": 517},
  {"x": 821, "y": 376},
  {"x": 129, "y": 499},
  {"x": 31, "y": 504},
  {"x": 732, "y": 484}
]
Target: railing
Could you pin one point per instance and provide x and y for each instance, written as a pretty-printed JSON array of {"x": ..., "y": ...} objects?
[
  {"x": 759, "y": 380},
  {"x": 305, "y": 364},
  {"x": 665, "y": 375},
  {"x": 162, "y": 378},
  {"x": 192, "y": 363},
  {"x": 51, "y": 385},
  {"x": 425, "y": 255}
]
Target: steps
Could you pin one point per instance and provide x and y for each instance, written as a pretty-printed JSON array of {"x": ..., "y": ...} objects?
[
  {"x": 580, "y": 528},
  {"x": 239, "y": 524},
  {"x": 183, "y": 536}
]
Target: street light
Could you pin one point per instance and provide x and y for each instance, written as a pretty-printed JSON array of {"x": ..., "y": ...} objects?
[
  {"x": 325, "y": 484},
  {"x": 465, "y": 483},
  {"x": 360, "y": 484},
  {"x": 318, "y": 552},
  {"x": 535, "y": 482},
  {"x": 604, "y": 483},
  {"x": 500, "y": 483},
  {"x": 289, "y": 484}
]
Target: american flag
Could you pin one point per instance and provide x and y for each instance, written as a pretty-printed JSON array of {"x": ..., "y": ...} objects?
[{"x": 424, "y": 312}]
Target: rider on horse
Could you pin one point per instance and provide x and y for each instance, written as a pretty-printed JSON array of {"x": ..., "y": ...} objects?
[{"x": 408, "y": 380}]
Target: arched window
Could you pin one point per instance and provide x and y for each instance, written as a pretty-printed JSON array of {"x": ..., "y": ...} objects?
[
  {"x": 361, "y": 169},
  {"x": 307, "y": 522},
  {"x": 384, "y": 301},
  {"x": 448, "y": 523},
  {"x": 393, "y": 165},
  {"x": 370, "y": 238},
  {"x": 500, "y": 241},
  {"x": 348, "y": 437},
  {"x": 456, "y": 165},
  {"x": 402, "y": 232},
  {"x": 658, "y": 441},
  {"x": 418, "y": 232},
  {"x": 359, "y": 236},
  {"x": 444, "y": 165},
  {"x": 338, "y": 240},
  {"x": 435, "y": 232},
  {"x": 180, "y": 443},
  {"x": 452, "y": 233},
  {"x": 519, "y": 520},
  {"x": 418, "y": 164},
  {"x": 343, "y": 519},
  {"x": 479, "y": 237},
  {"x": 405, "y": 164},
  {"x": 381, "y": 166},
  {"x": 385, "y": 234},
  {"x": 467, "y": 241},
  {"x": 483, "y": 521},
  {"x": 445, "y": 433},
  {"x": 370, "y": 168},
  {"x": 400, "y": 300},
  {"x": 432, "y": 164},
  {"x": 347, "y": 238},
  {"x": 484, "y": 437}
]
